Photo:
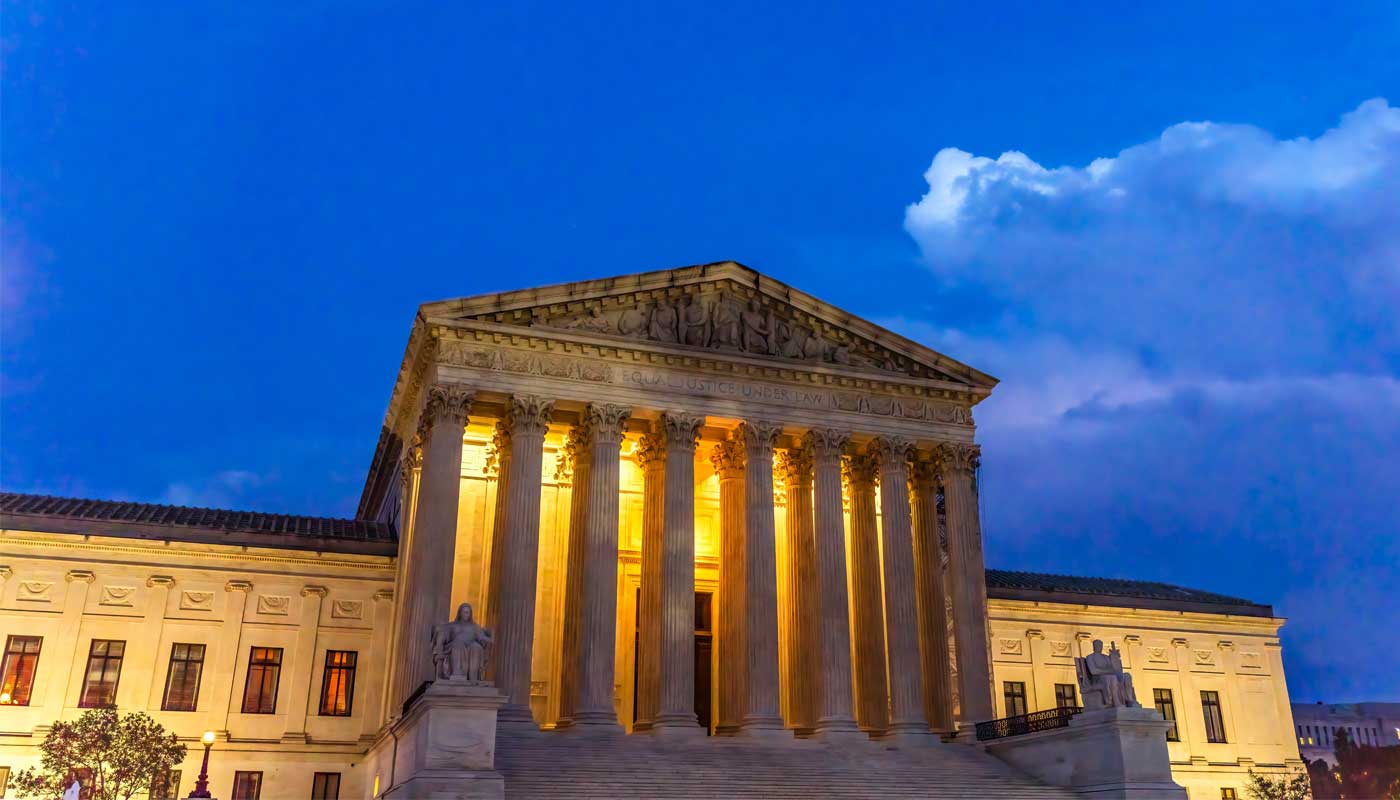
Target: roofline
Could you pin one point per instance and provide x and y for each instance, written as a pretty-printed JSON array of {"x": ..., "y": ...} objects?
[{"x": 1128, "y": 601}]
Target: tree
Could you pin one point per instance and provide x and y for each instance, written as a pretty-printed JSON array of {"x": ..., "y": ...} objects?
[
  {"x": 1286, "y": 786},
  {"x": 122, "y": 754}
]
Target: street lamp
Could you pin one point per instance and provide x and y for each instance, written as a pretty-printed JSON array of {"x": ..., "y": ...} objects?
[{"x": 201, "y": 786}]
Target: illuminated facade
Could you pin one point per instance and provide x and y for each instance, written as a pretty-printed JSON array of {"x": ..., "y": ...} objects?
[{"x": 665, "y": 493}]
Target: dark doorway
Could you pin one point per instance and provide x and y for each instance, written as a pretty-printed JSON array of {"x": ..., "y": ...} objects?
[{"x": 704, "y": 638}]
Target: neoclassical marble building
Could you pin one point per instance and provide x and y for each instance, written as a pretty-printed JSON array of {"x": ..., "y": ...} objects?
[{"x": 687, "y": 502}]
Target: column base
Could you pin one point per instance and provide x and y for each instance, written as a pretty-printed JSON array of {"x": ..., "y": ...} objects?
[
  {"x": 910, "y": 737},
  {"x": 838, "y": 731},
  {"x": 765, "y": 728},
  {"x": 601, "y": 723},
  {"x": 680, "y": 728},
  {"x": 517, "y": 717},
  {"x": 966, "y": 733}
]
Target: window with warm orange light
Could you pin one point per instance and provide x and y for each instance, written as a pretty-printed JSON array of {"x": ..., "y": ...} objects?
[
  {"x": 17, "y": 672},
  {"x": 247, "y": 785},
  {"x": 166, "y": 785},
  {"x": 338, "y": 683},
  {"x": 260, "y": 688},
  {"x": 182, "y": 678}
]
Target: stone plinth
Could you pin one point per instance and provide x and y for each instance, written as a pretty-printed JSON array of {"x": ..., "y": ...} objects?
[
  {"x": 1105, "y": 753},
  {"x": 444, "y": 746}
]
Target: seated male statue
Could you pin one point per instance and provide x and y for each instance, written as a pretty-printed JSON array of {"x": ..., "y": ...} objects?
[
  {"x": 459, "y": 648},
  {"x": 1102, "y": 681}
]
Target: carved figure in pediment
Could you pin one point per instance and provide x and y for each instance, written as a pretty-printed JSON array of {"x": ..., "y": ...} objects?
[
  {"x": 838, "y": 354},
  {"x": 758, "y": 328},
  {"x": 663, "y": 323},
  {"x": 694, "y": 322},
  {"x": 594, "y": 321},
  {"x": 633, "y": 322},
  {"x": 803, "y": 344},
  {"x": 725, "y": 332}
]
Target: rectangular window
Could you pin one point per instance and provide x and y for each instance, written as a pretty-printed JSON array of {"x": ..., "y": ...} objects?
[
  {"x": 1014, "y": 692},
  {"x": 1064, "y": 696},
  {"x": 166, "y": 786},
  {"x": 260, "y": 690},
  {"x": 325, "y": 786},
  {"x": 104, "y": 669},
  {"x": 1227, "y": 793},
  {"x": 338, "y": 683},
  {"x": 1162, "y": 699},
  {"x": 1215, "y": 723},
  {"x": 182, "y": 679},
  {"x": 4, "y": 780},
  {"x": 17, "y": 671},
  {"x": 247, "y": 785}
]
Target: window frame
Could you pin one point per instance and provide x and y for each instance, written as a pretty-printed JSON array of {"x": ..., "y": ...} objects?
[
  {"x": 241, "y": 775},
  {"x": 1060, "y": 695},
  {"x": 1165, "y": 704},
  {"x": 332, "y": 672},
  {"x": 1228, "y": 793},
  {"x": 165, "y": 704},
  {"x": 318, "y": 787},
  {"x": 15, "y": 656},
  {"x": 264, "y": 666},
  {"x": 107, "y": 660},
  {"x": 1018, "y": 695},
  {"x": 1214, "y": 716},
  {"x": 170, "y": 788}
]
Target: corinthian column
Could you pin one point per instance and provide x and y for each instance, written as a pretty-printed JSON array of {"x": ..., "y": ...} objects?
[
  {"x": 651, "y": 457},
  {"x": 835, "y": 719},
  {"x": 526, "y": 423},
  {"x": 434, "y": 544},
  {"x": 728, "y": 460},
  {"x": 576, "y": 461},
  {"x": 872, "y": 693},
  {"x": 498, "y": 462},
  {"x": 932, "y": 598},
  {"x": 761, "y": 708},
  {"x": 598, "y": 629},
  {"x": 969, "y": 581},
  {"x": 803, "y": 616},
  {"x": 907, "y": 720}
]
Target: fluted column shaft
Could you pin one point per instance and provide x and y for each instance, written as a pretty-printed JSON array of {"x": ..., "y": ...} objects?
[
  {"x": 434, "y": 544},
  {"x": 500, "y": 464},
  {"x": 577, "y": 457},
  {"x": 932, "y": 599},
  {"x": 761, "y": 706},
  {"x": 515, "y": 617},
  {"x": 901, "y": 608},
  {"x": 872, "y": 693},
  {"x": 835, "y": 716},
  {"x": 803, "y": 616},
  {"x": 969, "y": 582},
  {"x": 598, "y": 629},
  {"x": 651, "y": 456},
  {"x": 728, "y": 459},
  {"x": 677, "y": 679},
  {"x": 393, "y": 679}
]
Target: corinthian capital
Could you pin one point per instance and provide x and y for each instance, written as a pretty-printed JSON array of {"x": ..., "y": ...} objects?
[
  {"x": 960, "y": 457},
  {"x": 923, "y": 472},
  {"x": 606, "y": 423},
  {"x": 861, "y": 469},
  {"x": 795, "y": 466},
  {"x": 728, "y": 456},
  {"x": 826, "y": 442},
  {"x": 651, "y": 451},
  {"x": 758, "y": 436},
  {"x": 447, "y": 404},
  {"x": 891, "y": 451},
  {"x": 678, "y": 429},
  {"x": 529, "y": 415}
]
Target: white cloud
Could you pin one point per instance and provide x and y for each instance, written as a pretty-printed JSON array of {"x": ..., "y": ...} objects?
[{"x": 225, "y": 489}]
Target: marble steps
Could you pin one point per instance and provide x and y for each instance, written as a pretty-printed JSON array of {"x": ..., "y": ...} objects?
[{"x": 550, "y": 765}]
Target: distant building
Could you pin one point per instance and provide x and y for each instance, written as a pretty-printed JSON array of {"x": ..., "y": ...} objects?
[{"x": 1317, "y": 725}]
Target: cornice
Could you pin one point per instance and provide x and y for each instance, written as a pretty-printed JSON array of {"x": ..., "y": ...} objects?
[{"x": 163, "y": 555}]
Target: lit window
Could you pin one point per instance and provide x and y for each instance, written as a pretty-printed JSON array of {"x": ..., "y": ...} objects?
[
  {"x": 325, "y": 786},
  {"x": 4, "y": 780},
  {"x": 1014, "y": 693},
  {"x": 1064, "y": 696},
  {"x": 247, "y": 785},
  {"x": 1227, "y": 793},
  {"x": 166, "y": 785},
  {"x": 1162, "y": 700},
  {"x": 17, "y": 671},
  {"x": 260, "y": 689},
  {"x": 182, "y": 678},
  {"x": 338, "y": 684},
  {"x": 1215, "y": 722},
  {"x": 104, "y": 669}
]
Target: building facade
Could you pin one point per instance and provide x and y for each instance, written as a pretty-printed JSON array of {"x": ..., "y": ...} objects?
[
  {"x": 1317, "y": 726},
  {"x": 689, "y": 502}
]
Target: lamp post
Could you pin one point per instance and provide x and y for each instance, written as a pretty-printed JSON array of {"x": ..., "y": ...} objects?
[{"x": 201, "y": 786}]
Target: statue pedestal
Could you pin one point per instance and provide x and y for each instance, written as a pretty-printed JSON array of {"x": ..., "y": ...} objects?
[
  {"x": 444, "y": 746},
  {"x": 1104, "y": 753}
]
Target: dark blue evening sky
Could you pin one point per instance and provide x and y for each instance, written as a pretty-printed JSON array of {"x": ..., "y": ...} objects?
[{"x": 218, "y": 221}]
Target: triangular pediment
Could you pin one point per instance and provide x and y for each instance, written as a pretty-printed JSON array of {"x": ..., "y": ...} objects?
[{"x": 718, "y": 308}]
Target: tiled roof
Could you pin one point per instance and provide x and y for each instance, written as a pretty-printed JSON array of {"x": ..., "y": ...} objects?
[
  {"x": 1108, "y": 587},
  {"x": 148, "y": 515}
]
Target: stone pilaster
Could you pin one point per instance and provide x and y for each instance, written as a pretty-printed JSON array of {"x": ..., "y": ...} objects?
[
  {"x": 577, "y": 461},
  {"x": 901, "y": 609},
  {"x": 728, "y": 460},
  {"x": 527, "y": 422},
  {"x": 229, "y": 649},
  {"x": 969, "y": 582},
  {"x": 835, "y": 716},
  {"x": 409, "y": 473},
  {"x": 598, "y": 624},
  {"x": 676, "y": 714},
  {"x": 872, "y": 691},
  {"x": 932, "y": 597},
  {"x": 761, "y": 707},
  {"x": 434, "y": 545},
  {"x": 303, "y": 669},
  {"x": 147, "y": 650},
  {"x": 800, "y": 683}
]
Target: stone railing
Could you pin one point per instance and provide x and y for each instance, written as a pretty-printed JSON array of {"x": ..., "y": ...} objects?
[{"x": 1026, "y": 723}]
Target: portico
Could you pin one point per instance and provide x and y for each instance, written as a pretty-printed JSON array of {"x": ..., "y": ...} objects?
[{"x": 618, "y": 473}]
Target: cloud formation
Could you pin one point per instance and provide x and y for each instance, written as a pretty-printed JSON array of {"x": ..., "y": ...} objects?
[{"x": 1200, "y": 351}]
